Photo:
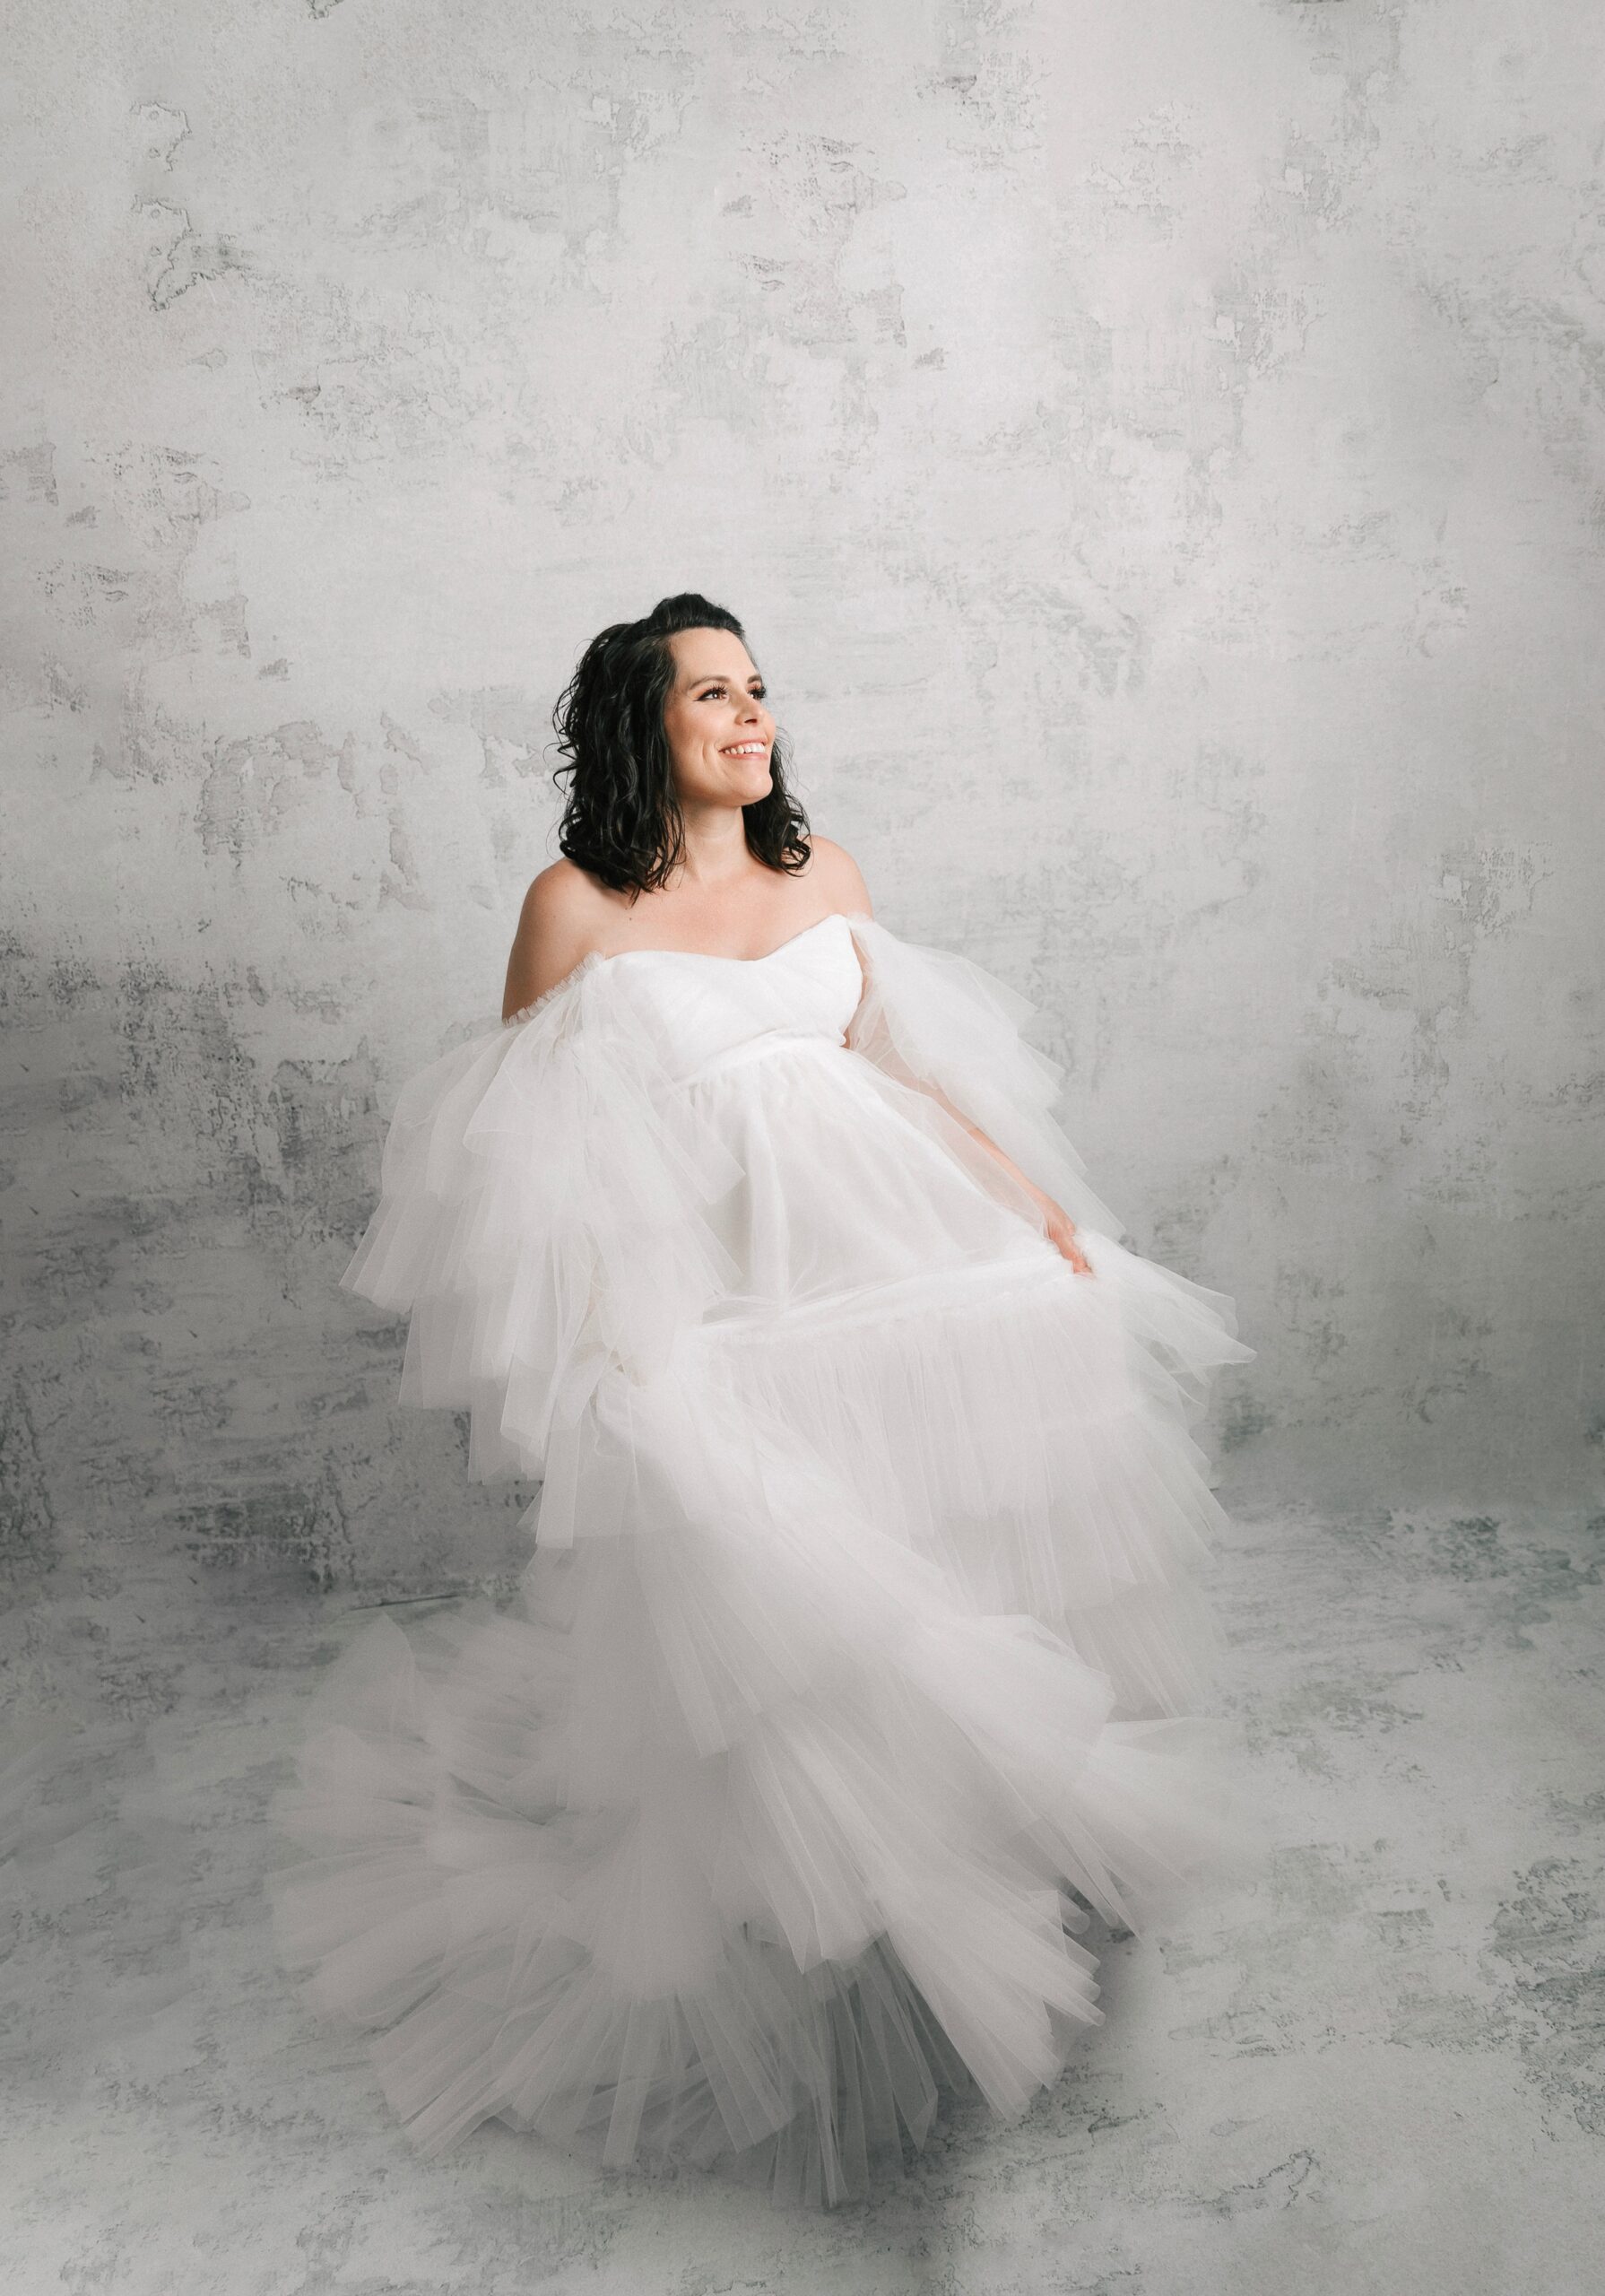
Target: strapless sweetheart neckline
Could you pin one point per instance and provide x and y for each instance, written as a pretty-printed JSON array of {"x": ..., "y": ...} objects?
[
  {"x": 715, "y": 957},
  {"x": 594, "y": 958}
]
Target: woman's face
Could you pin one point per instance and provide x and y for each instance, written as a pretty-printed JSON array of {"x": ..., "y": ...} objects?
[{"x": 720, "y": 734}]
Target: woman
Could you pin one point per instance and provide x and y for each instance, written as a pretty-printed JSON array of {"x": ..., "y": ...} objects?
[{"x": 852, "y": 1661}]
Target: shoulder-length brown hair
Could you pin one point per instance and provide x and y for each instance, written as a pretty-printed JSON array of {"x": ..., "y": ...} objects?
[{"x": 621, "y": 820}]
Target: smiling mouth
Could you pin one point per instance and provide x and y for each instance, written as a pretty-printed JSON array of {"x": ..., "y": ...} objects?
[{"x": 748, "y": 749}]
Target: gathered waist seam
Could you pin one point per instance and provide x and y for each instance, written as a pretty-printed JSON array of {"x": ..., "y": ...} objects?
[{"x": 772, "y": 1041}]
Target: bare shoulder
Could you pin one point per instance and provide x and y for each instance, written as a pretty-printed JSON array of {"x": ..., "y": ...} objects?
[
  {"x": 565, "y": 914},
  {"x": 838, "y": 876}
]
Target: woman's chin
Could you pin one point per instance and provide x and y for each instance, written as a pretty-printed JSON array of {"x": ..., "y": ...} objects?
[{"x": 733, "y": 790}]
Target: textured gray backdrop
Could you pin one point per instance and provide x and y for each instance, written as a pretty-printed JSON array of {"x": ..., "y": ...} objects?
[
  {"x": 1156, "y": 446},
  {"x": 1157, "y": 451}
]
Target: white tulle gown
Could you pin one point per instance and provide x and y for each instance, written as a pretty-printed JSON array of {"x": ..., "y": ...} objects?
[{"x": 864, "y": 1583}]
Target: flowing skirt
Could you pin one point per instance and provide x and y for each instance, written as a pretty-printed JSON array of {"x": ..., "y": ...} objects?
[{"x": 856, "y": 1656}]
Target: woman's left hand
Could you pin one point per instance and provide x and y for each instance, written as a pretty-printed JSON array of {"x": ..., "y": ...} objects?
[{"x": 1061, "y": 1232}]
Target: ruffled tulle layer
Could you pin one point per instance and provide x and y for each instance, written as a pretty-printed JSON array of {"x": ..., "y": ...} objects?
[
  {"x": 705, "y": 1847},
  {"x": 1031, "y": 1431}
]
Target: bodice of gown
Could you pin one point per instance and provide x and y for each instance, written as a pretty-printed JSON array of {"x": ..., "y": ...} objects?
[
  {"x": 712, "y": 1013},
  {"x": 843, "y": 1182}
]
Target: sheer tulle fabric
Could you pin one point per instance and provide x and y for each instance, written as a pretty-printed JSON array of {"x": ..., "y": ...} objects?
[{"x": 864, "y": 1620}]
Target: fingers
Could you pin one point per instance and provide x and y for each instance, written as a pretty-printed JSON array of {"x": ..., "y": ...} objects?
[
  {"x": 1071, "y": 1251},
  {"x": 1061, "y": 1233}
]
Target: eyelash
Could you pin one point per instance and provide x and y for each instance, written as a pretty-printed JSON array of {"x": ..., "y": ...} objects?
[{"x": 759, "y": 693}]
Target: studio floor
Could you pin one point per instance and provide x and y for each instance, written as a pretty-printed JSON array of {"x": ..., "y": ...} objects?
[{"x": 1377, "y": 2066}]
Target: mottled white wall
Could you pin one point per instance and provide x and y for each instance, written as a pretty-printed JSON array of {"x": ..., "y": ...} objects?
[{"x": 1157, "y": 450}]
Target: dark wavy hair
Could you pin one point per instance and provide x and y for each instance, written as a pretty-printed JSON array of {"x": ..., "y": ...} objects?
[{"x": 622, "y": 820}]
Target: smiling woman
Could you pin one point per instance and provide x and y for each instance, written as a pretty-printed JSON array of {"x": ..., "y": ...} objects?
[
  {"x": 855, "y": 1661},
  {"x": 645, "y": 725},
  {"x": 680, "y": 831}
]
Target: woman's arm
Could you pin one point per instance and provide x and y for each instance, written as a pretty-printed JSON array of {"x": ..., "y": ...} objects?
[
  {"x": 1062, "y": 1231},
  {"x": 851, "y": 894}
]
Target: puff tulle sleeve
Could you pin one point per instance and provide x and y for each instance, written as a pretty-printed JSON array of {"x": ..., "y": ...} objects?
[
  {"x": 937, "y": 1021},
  {"x": 933, "y": 1018},
  {"x": 541, "y": 1218}
]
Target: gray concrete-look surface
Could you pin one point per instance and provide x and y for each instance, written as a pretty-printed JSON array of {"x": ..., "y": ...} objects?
[
  {"x": 1156, "y": 446},
  {"x": 1376, "y": 2072},
  {"x": 1157, "y": 451}
]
